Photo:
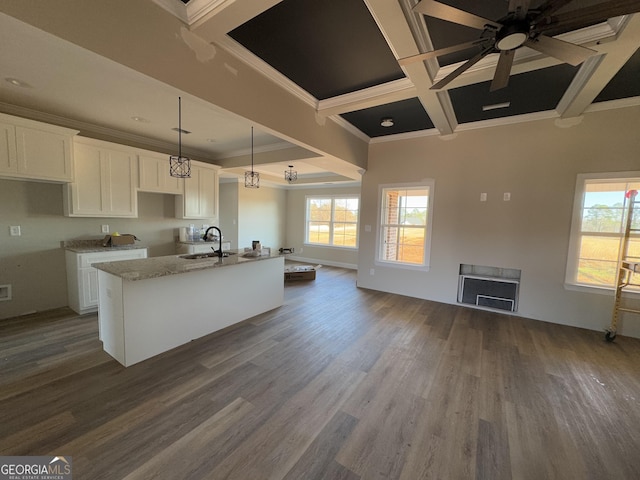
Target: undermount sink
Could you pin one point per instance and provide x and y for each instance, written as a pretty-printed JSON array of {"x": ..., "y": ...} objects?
[{"x": 196, "y": 256}]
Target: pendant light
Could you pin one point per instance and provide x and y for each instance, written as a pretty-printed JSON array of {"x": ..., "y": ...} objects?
[
  {"x": 251, "y": 179},
  {"x": 179, "y": 166},
  {"x": 290, "y": 175}
]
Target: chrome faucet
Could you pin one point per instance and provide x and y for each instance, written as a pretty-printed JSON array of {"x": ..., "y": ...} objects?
[{"x": 206, "y": 234}]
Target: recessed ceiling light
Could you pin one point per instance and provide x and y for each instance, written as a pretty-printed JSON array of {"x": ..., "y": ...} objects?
[
  {"x": 17, "y": 83},
  {"x": 140, "y": 119},
  {"x": 387, "y": 122},
  {"x": 495, "y": 106}
]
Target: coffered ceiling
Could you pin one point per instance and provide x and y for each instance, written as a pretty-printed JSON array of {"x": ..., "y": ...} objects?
[{"x": 338, "y": 56}]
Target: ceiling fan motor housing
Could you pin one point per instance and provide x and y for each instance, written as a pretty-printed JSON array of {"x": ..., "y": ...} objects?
[{"x": 512, "y": 35}]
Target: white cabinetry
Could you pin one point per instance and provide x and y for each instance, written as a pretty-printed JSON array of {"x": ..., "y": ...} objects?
[
  {"x": 82, "y": 278},
  {"x": 35, "y": 151},
  {"x": 105, "y": 181},
  {"x": 200, "y": 199},
  {"x": 154, "y": 175}
]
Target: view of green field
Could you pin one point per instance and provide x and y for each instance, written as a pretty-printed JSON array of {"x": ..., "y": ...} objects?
[{"x": 598, "y": 261}]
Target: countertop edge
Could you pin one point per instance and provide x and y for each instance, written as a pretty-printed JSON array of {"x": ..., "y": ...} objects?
[{"x": 156, "y": 267}]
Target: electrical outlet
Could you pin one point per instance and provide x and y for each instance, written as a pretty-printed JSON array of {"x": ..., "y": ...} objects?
[
  {"x": 14, "y": 230},
  {"x": 506, "y": 197},
  {"x": 372, "y": 271},
  {"x": 105, "y": 228}
]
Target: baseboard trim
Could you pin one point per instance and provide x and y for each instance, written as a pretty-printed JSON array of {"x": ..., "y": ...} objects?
[{"x": 315, "y": 261}]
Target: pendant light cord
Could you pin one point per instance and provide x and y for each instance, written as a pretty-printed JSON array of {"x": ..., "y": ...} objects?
[{"x": 179, "y": 129}]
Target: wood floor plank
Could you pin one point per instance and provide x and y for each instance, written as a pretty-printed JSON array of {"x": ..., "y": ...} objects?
[{"x": 339, "y": 383}]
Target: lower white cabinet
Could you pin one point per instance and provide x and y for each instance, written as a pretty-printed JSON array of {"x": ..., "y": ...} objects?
[{"x": 82, "y": 278}]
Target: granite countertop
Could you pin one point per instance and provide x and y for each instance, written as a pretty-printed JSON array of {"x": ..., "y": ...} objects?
[
  {"x": 93, "y": 245},
  {"x": 154, "y": 267}
]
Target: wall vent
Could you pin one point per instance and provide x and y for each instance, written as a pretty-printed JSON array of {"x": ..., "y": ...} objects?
[
  {"x": 489, "y": 287},
  {"x": 5, "y": 292}
]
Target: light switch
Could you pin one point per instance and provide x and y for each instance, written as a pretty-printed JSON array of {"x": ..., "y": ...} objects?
[
  {"x": 483, "y": 197},
  {"x": 105, "y": 228},
  {"x": 14, "y": 230},
  {"x": 506, "y": 197},
  {"x": 367, "y": 228}
]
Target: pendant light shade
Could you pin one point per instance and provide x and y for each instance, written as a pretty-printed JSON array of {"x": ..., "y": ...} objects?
[
  {"x": 290, "y": 175},
  {"x": 179, "y": 166},
  {"x": 251, "y": 179}
]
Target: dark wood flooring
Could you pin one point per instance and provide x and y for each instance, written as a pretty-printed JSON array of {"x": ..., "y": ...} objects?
[{"x": 339, "y": 383}]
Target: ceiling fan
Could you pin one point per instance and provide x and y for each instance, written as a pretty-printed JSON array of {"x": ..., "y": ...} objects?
[{"x": 522, "y": 26}]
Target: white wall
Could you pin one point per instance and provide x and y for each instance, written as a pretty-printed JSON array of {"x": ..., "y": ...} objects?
[
  {"x": 262, "y": 214},
  {"x": 228, "y": 212},
  {"x": 296, "y": 211},
  {"x": 537, "y": 163}
]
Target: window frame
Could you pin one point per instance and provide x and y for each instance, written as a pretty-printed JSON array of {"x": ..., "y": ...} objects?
[
  {"x": 333, "y": 199},
  {"x": 428, "y": 184},
  {"x": 573, "y": 255}
]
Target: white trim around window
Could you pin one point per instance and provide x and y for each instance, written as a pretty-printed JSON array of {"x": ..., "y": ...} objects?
[
  {"x": 334, "y": 221},
  {"x": 404, "y": 229},
  {"x": 591, "y": 268}
]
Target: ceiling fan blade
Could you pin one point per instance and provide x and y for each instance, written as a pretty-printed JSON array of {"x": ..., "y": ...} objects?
[
  {"x": 442, "y": 51},
  {"x": 452, "y": 14},
  {"x": 519, "y": 8},
  {"x": 567, "y": 52},
  {"x": 585, "y": 16},
  {"x": 503, "y": 70},
  {"x": 462, "y": 68}
]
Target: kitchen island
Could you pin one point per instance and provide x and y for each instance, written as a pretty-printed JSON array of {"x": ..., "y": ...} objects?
[{"x": 149, "y": 306}]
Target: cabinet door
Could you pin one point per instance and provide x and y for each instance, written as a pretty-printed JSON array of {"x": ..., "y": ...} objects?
[
  {"x": 154, "y": 176},
  {"x": 8, "y": 163},
  {"x": 105, "y": 183},
  {"x": 200, "y": 194},
  {"x": 89, "y": 288},
  {"x": 86, "y": 191},
  {"x": 119, "y": 180},
  {"x": 43, "y": 155}
]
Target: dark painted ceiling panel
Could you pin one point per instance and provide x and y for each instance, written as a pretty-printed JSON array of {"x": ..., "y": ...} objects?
[
  {"x": 408, "y": 116},
  {"x": 535, "y": 91},
  {"x": 328, "y": 47},
  {"x": 626, "y": 83},
  {"x": 334, "y": 47}
]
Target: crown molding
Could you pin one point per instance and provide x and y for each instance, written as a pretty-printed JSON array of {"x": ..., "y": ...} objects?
[{"x": 195, "y": 11}]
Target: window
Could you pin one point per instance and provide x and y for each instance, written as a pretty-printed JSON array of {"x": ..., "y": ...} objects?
[
  {"x": 332, "y": 221},
  {"x": 404, "y": 236},
  {"x": 598, "y": 225}
]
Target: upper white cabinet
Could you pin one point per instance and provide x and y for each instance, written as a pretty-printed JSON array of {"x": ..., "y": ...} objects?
[
  {"x": 35, "y": 151},
  {"x": 105, "y": 180},
  {"x": 153, "y": 172},
  {"x": 200, "y": 199}
]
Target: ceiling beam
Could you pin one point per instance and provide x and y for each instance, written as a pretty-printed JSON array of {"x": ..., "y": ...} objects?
[
  {"x": 392, "y": 22},
  {"x": 614, "y": 55}
]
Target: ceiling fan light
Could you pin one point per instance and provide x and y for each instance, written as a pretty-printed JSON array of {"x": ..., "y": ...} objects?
[{"x": 511, "y": 41}]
